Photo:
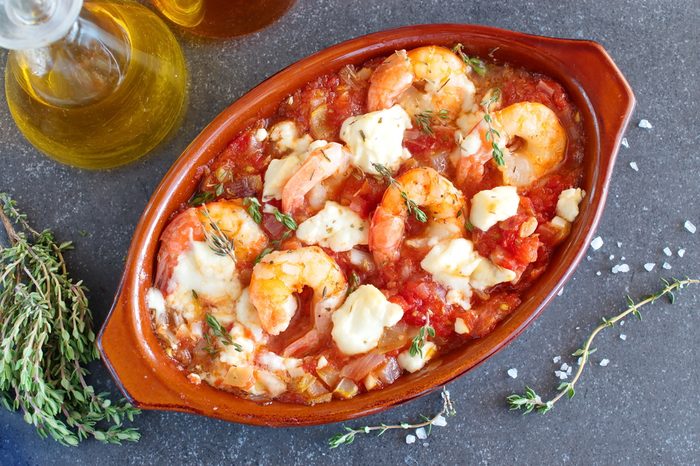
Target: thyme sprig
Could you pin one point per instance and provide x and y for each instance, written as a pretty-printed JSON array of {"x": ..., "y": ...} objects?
[
  {"x": 425, "y": 119},
  {"x": 530, "y": 401},
  {"x": 216, "y": 239},
  {"x": 349, "y": 436},
  {"x": 476, "y": 64},
  {"x": 46, "y": 339},
  {"x": 274, "y": 245},
  {"x": 421, "y": 338},
  {"x": 411, "y": 205},
  {"x": 491, "y": 133},
  {"x": 218, "y": 331},
  {"x": 253, "y": 207},
  {"x": 285, "y": 219}
]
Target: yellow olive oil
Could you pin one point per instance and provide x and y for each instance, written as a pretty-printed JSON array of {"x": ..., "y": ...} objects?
[{"x": 105, "y": 94}]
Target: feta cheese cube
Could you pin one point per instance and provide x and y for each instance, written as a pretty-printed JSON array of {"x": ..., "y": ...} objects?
[
  {"x": 567, "y": 205},
  {"x": 336, "y": 227},
  {"x": 491, "y": 206}
]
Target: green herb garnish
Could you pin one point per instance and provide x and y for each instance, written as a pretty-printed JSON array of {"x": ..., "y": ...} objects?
[
  {"x": 253, "y": 206},
  {"x": 411, "y": 205},
  {"x": 420, "y": 339},
  {"x": 491, "y": 133},
  {"x": 285, "y": 219},
  {"x": 476, "y": 64},
  {"x": 46, "y": 340},
  {"x": 530, "y": 401},
  {"x": 216, "y": 239},
  {"x": 218, "y": 331}
]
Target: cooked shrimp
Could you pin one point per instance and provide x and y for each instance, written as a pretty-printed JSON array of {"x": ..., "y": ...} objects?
[
  {"x": 320, "y": 164},
  {"x": 443, "y": 203},
  {"x": 281, "y": 274},
  {"x": 542, "y": 141},
  {"x": 425, "y": 79},
  {"x": 189, "y": 227}
]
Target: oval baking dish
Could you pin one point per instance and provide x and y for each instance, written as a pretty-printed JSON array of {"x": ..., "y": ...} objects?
[{"x": 127, "y": 341}]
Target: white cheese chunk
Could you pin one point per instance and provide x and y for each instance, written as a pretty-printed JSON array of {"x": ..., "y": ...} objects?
[
  {"x": 377, "y": 137},
  {"x": 451, "y": 263},
  {"x": 416, "y": 362},
  {"x": 247, "y": 315},
  {"x": 491, "y": 206},
  {"x": 488, "y": 274},
  {"x": 359, "y": 323},
  {"x": 567, "y": 205},
  {"x": 210, "y": 275},
  {"x": 336, "y": 227},
  {"x": 285, "y": 136},
  {"x": 278, "y": 173},
  {"x": 461, "y": 326}
]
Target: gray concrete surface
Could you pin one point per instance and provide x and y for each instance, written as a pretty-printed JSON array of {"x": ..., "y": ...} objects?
[{"x": 642, "y": 408}]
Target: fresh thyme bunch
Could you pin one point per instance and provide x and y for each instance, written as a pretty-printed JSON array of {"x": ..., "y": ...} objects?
[{"x": 46, "y": 339}]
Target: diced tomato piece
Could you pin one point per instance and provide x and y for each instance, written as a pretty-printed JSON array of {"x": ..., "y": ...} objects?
[
  {"x": 362, "y": 194},
  {"x": 418, "y": 297},
  {"x": 484, "y": 315}
]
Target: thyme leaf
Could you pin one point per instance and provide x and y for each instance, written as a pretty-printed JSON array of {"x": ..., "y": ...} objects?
[
  {"x": 411, "y": 205},
  {"x": 216, "y": 239},
  {"x": 218, "y": 331},
  {"x": 46, "y": 340},
  {"x": 253, "y": 207},
  {"x": 491, "y": 133},
  {"x": 349, "y": 435},
  {"x": 421, "y": 338},
  {"x": 530, "y": 401},
  {"x": 285, "y": 219},
  {"x": 476, "y": 64}
]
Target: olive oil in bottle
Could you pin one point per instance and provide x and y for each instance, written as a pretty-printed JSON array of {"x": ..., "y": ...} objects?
[
  {"x": 93, "y": 85},
  {"x": 222, "y": 18}
]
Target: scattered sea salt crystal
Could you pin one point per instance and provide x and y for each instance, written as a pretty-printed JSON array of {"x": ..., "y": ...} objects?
[
  {"x": 611, "y": 256},
  {"x": 619, "y": 244},
  {"x": 634, "y": 166},
  {"x": 604, "y": 362},
  {"x": 623, "y": 337},
  {"x": 561, "y": 291},
  {"x": 560, "y": 375},
  {"x": 644, "y": 123},
  {"x": 579, "y": 361},
  {"x": 598, "y": 273},
  {"x": 588, "y": 258},
  {"x": 649, "y": 266},
  {"x": 410, "y": 439},
  {"x": 597, "y": 243},
  {"x": 666, "y": 266},
  {"x": 439, "y": 421},
  {"x": 622, "y": 322},
  {"x": 421, "y": 433},
  {"x": 624, "y": 268},
  {"x": 556, "y": 359},
  {"x": 625, "y": 143},
  {"x": 426, "y": 444},
  {"x": 568, "y": 371},
  {"x": 667, "y": 251},
  {"x": 681, "y": 252},
  {"x": 513, "y": 373},
  {"x": 564, "y": 367},
  {"x": 690, "y": 227}
]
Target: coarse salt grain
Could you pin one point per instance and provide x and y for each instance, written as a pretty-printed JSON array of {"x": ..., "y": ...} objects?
[
  {"x": 561, "y": 291},
  {"x": 622, "y": 322},
  {"x": 681, "y": 252},
  {"x": 421, "y": 433},
  {"x": 556, "y": 359},
  {"x": 634, "y": 166},
  {"x": 410, "y": 439},
  {"x": 667, "y": 251},
  {"x": 649, "y": 266},
  {"x": 623, "y": 337},
  {"x": 625, "y": 143},
  {"x": 579, "y": 361},
  {"x": 619, "y": 244},
  {"x": 588, "y": 258},
  {"x": 666, "y": 266},
  {"x": 568, "y": 371},
  {"x": 644, "y": 123},
  {"x": 439, "y": 421},
  {"x": 560, "y": 375},
  {"x": 690, "y": 227},
  {"x": 604, "y": 362},
  {"x": 513, "y": 373},
  {"x": 564, "y": 367},
  {"x": 624, "y": 268},
  {"x": 611, "y": 256},
  {"x": 597, "y": 243},
  {"x": 598, "y": 273}
]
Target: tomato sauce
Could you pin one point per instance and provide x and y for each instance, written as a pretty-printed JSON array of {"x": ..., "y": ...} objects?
[{"x": 518, "y": 243}]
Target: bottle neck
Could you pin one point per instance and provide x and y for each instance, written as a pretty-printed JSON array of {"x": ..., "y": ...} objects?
[{"x": 84, "y": 66}]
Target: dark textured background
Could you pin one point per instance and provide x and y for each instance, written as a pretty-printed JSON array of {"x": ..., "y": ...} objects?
[{"x": 642, "y": 408}]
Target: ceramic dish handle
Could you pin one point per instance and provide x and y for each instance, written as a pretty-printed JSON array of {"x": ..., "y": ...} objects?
[{"x": 137, "y": 375}]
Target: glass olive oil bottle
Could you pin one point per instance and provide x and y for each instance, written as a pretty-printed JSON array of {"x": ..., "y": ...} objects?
[{"x": 93, "y": 85}]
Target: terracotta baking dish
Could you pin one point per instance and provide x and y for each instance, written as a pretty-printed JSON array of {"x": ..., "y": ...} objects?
[{"x": 151, "y": 380}]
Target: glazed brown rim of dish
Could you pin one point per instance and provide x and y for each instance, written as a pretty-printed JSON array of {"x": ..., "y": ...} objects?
[{"x": 151, "y": 380}]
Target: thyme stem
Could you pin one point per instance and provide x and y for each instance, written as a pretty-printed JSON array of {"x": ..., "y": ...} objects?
[{"x": 531, "y": 401}]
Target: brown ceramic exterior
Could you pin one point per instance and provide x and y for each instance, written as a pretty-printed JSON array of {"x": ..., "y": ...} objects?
[{"x": 151, "y": 380}]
